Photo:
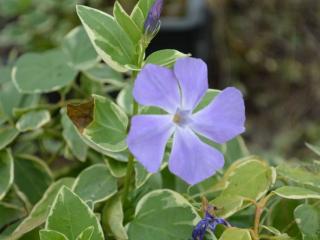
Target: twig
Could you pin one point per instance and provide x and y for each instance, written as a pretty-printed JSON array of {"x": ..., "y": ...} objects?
[{"x": 259, "y": 210}]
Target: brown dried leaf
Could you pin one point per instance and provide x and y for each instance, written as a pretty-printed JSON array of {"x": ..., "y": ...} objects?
[{"x": 81, "y": 114}]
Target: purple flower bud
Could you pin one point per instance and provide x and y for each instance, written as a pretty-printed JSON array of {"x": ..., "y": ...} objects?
[
  {"x": 209, "y": 221},
  {"x": 152, "y": 23}
]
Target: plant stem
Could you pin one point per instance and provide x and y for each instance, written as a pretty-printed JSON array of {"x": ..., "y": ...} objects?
[
  {"x": 129, "y": 175},
  {"x": 259, "y": 210},
  {"x": 130, "y": 167}
]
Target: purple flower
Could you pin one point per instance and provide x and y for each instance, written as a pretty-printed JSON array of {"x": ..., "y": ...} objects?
[
  {"x": 178, "y": 92},
  {"x": 208, "y": 222},
  {"x": 152, "y": 23}
]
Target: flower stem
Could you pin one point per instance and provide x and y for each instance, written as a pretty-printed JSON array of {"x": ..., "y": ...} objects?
[
  {"x": 130, "y": 166},
  {"x": 129, "y": 175}
]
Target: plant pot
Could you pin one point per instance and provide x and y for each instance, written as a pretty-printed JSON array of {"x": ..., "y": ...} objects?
[
  {"x": 191, "y": 33},
  {"x": 188, "y": 33}
]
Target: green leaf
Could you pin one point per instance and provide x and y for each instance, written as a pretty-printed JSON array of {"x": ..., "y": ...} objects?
[
  {"x": 118, "y": 169},
  {"x": 299, "y": 175},
  {"x": 32, "y": 176},
  {"x": 33, "y": 235},
  {"x": 40, "y": 211},
  {"x": 120, "y": 156},
  {"x": 272, "y": 230},
  {"x": 102, "y": 73},
  {"x": 10, "y": 98},
  {"x": 127, "y": 24},
  {"x": 110, "y": 41},
  {"x": 51, "y": 235},
  {"x": 83, "y": 114},
  {"x": 166, "y": 57},
  {"x": 72, "y": 138},
  {"x": 250, "y": 178},
  {"x": 234, "y": 150},
  {"x": 6, "y": 172},
  {"x": 291, "y": 192},
  {"x": 108, "y": 129},
  {"x": 207, "y": 187},
  {"x": 42, "y": 72},
  {"x": 9, "y": 213},
  {"x": 141, "y": 176},
  {"x": 95, "y": 184},
  {"x": 79, "y": 49},
  {"x": 17, "y": 198},
  {"x": 33, "y": 120},
  {"x": 14, "y": 8},
  {"x": 86, "y": 234},
  {"x": 112, "y": 218},
  {"x": 281, "y": 217},
  {"x": 7, "y": 135},
  {"x": 307, "y": 218},
  {"x": 252, "y": 170},
  {"x": 235, "y": 234},
  {"x": 89, "y": 87},
  {"x": 125, "y": 99},
  {"x": 314, "y": 148},
  {"x": 208, "y": 98},
  {"x": 151, "y": 110},
  {"x": 77, "y": 216},
  {"x": 162, "y": 215},
  {"x": 145, "y": 6},
  {"x": 277, "y": 233},
  {"x": 140, "y": 12},
  {"x": 28, "y": 103},
  {"x": 2, "y": 118},
  {"x": 138, "y": 17},
  {"x": 228, "y": 205}
]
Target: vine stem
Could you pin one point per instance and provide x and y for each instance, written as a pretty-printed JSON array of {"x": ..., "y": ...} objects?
[
  {"x": 129, "y": 175},
  {"x": 130, "y": 167},
  {"x": 259, "y": 210}
]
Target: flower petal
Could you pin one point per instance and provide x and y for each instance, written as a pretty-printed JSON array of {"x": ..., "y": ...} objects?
[
  {"x": 148, "y": 137},
  {"x": 191, "y": 159},
  {"x": 192, "y": 74},
  {"x": 223, "y": 118},
  {"x": 157, "y": 86}
]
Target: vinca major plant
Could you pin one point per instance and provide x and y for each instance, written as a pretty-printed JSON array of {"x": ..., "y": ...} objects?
[{"x": 99, "y": 140}]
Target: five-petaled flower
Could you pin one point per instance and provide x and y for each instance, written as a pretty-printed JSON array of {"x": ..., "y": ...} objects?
[
  {"x": 152, "y": 23},
  {"x": 178, "y": 92},
  {"x": 208, "y": 222}
]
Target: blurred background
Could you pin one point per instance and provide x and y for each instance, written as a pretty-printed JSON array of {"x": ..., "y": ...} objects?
[{"x": 270, "y": 49}]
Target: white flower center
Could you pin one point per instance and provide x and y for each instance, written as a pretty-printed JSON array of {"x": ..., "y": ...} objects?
[{"x": 182, "y": 117}]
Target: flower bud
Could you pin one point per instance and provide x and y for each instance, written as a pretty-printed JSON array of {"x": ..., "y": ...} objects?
[{"x": 152, "y": 23}]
